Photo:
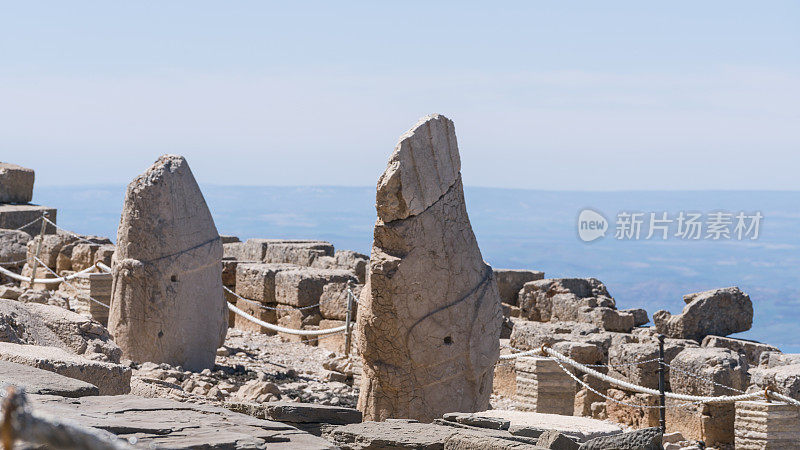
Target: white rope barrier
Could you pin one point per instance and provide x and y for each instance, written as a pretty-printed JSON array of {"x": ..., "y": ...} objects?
[
  {"x": 636, "y": 388},
  {"x": 29, "y": 223},
  {"x": 73, "y": 287},
  {"x": 56, "y": 280},
  {"x": 74, "y": 234},
  {"x": 275, "y": 308},
  {"x": 702, "y": 378},
  {"x": 281, "y": 329}
]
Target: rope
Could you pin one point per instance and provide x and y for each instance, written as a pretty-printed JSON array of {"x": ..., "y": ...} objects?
[
  {"x": 13, "y": 263},
  {"x": 702, "y": 378},
  {"x": 273, "y": 308},
  {"x": 57, "y": 280},
  {"x": 74, "y": 234},
  {"x": 644, "y": 390},
  {"x": 281, "y": 329},
  {"x": 528, "y": 353},
  {"x": 70, "y": 285},
  {"x": 30, "y": 223},
  {"x": 633, "y": 405}
]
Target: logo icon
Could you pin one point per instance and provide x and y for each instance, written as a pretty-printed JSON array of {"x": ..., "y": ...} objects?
[{"x": 591, "y": 225}]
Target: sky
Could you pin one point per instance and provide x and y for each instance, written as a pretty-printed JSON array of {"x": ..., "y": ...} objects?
[{"x": 573, "y": 95}]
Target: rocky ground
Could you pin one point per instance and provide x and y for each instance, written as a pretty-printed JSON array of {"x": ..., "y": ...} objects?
[{"x": 254, "y": 367}]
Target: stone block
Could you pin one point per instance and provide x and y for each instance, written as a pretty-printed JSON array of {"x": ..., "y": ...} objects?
[
  {"x": 768, "y": 360},
  {"x": 335, "y": 342},
  {"x": 510, "y": 282},
  {"x": 16, "y": 183},
  {"x": 267, "y": 315},
  {"x": 543, "y": 387},
  {"x": 631, "y": 416},
  {"x": 110, "y": 378},
  {"x": 256, "y": 281},
  {"x": 16, "y": 216},
  {"x": 43, "y": 382},
  {"x": 334, "y": 299},
  {"x": 710, "y": 423},
  {"x": 305, "y": 286},
  {"x": 13, "y": 247},
  {"x": 718, "y": 312},
  {"x": 761, "y": 425},
  {"x": 783, "y": 379},
  {"x": 751, "y": 350},
  {"x": 639, "y": 316},
  {"x": 96, "y": 286}
]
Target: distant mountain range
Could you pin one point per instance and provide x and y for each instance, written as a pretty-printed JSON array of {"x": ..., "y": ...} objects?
[{"x": 534, "y": 230}]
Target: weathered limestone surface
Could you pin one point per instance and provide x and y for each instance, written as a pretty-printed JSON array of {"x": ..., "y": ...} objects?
[
  {"x": 401, "y": 434},
  {"x": 711, "y": 423},
  {"x": 256, "y": 281},
  {"x": 15, "y": 216},
  {"x": 167, "y": 302},
  {"x": 13, "y": 246},
  {"x": 768, "y": 360},
  {"x": 645, "y": 439},
  {"x": 761, "y": 425},
  {"x": 51, "y": 247},
  {"x": 168, "y": 424},
  {"x": 429, "y": 325},
  {"x": 38, "y": 381},
  {"x": 16, "y": 183},
  {"x": 583, "y": 428},
  {"x": 543, "y": 387},
  {"x": 109, "y": 378},
  {"x": 719, "y": 312},
  {"x": 52, "y": 326},
  {"x": 784, "y": 379},
  {"x": 96, "y": 286},
  {"x": 751, "y": 350},
  {"x": 510, "y": 281},
  {"x": 575, "y": 300},
  {"x": 644, "y": 374}
]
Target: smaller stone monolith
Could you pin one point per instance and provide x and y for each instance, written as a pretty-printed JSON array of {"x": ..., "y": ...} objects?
[{"x": 167, "y": 302}]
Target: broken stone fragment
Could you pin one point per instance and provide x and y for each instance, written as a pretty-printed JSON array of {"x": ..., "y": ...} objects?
[{"x": 429, "y": 317}]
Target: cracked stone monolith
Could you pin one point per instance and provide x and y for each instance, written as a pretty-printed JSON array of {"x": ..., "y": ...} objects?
[
  {"x": 167, "y": 303},
  {"x": 429, "y": 325}
]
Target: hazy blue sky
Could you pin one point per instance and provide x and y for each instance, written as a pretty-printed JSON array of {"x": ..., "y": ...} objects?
[{"x": 546, "y": 95}]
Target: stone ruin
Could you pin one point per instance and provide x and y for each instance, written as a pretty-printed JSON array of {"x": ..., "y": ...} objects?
[
  {"x": 167, "y": 304},
  {"x": 430, "y": 315}
]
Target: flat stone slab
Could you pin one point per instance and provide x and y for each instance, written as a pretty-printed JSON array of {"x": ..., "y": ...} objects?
[
  {"x": 108, "y": 377},
  {"x": 311, "y": 413},
  {"x": 583, "y": 428},
  {"x": 38, "y": 381},
  {"x": 15, "y": 216},
  {"x": 401, "y": 433},
  {"x": 168, "y": 424}
]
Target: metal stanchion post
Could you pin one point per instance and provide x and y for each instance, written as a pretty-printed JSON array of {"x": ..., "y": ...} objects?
[
  {"x": 661, "y": 398},
  {"x": 38, "y": 248},
  {"x": 347, "y": 323}
]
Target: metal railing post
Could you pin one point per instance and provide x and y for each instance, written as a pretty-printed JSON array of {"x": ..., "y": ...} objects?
[
  {"x": 38, "y": 248},
  {"x": 661, "y": 398},
  {"x": 348, "y": 322}
]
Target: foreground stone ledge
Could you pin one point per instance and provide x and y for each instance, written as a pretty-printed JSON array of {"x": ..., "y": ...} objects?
[
  {"x": 109, "y": 378},
  {"x": 168, "y": 424},
  {"x": 38, "y": 381}
]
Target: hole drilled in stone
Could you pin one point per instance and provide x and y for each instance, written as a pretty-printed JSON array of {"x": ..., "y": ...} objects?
[
  {"x": 448, "y": 340},
  {"x": 174, "y": 278}
]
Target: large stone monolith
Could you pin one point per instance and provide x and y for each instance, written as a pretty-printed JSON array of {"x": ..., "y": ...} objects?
[
  {"x": 430, "y": 320},
  {"x": 167, "y": 302}
]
